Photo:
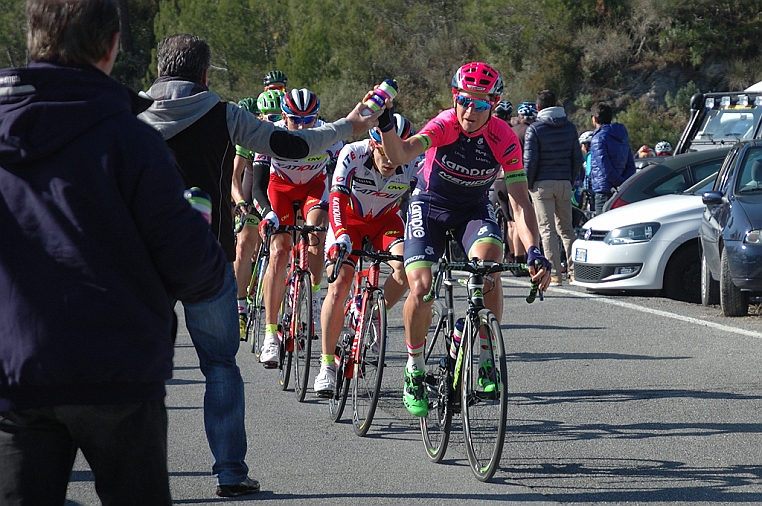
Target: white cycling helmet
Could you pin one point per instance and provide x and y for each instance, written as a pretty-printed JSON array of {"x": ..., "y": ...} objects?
[{"x": 663, "y": 148}]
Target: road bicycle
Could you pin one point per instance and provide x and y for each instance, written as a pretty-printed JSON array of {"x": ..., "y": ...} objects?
[
  {"x": 470, "y": 379},
  {"x": 361, "y": 348},
  {"x": 297, "y": 326},
  {"x": 255, "y": 308}
]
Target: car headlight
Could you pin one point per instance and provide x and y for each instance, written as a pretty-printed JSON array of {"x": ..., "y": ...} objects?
[
  {"x": 753, "y": 237},
  {"x": 642, "y": 232}
]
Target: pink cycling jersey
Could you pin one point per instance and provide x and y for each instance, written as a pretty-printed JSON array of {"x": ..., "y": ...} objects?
[{"x": 459, "y": 167}]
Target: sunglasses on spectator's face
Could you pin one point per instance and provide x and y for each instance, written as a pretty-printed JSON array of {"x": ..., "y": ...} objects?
[
  {"x": 479, "y": 105},
  {"x": 298, "y": 120},
  {"x": 272, "y": 118}
]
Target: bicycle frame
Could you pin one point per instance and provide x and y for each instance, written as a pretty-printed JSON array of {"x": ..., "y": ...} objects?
[{"x": 371, "y": 276}]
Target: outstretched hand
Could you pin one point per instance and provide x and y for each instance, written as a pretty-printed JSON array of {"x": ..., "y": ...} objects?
[{"x": 361, "y": 124}]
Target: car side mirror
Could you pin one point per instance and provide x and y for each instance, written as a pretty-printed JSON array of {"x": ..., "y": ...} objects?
[{"x": 712, "y": 198}]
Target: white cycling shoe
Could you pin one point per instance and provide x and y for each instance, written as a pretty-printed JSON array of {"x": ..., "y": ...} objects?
[
  {"x": 325, "y": 382},
  {"x": 270, "y": 355}
]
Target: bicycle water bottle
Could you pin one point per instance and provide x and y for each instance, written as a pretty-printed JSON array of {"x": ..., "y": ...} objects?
[
  {"x": 354, "y": 311},
  {"x": 457, "y": 336},
  {"x": 387, "y": 89}
]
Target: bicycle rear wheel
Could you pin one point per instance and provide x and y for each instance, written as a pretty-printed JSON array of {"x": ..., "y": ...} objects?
[
  {"x": 369, "y": 364},
  {"x": 302, "y": 334},
  {"x": 287, "y": 341},
  {"x": 484, "y": 394},
  {"x": 435, "y": 426},
  {"x": 257, "y": 310}
]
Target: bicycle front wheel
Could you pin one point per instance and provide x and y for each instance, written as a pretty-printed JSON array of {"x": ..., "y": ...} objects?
[
  {"x": 287, "y": 340},
  {"x": 302, "y": 334},
  {"x": 484, "y": 394},
  {"x": 338, "y": 398},
  {"x": 435, "y": 426},
  {"x": 369, "y": 363}
]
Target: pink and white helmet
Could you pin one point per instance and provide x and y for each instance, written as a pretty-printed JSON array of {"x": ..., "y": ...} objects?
[{"x": 477, "y": 77}]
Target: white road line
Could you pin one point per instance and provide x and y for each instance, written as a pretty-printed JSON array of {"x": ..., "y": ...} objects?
[{"x": 642, "y": 309}]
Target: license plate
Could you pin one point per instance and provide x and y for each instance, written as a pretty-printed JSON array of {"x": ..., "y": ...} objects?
[{"x": 580, "y": 255}]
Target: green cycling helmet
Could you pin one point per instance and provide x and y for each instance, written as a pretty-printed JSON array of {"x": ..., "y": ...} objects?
[
  {"x": 275, "y": 76},
  {"x": 269, "y": 101},
  {"x": 249, "y": 104}
]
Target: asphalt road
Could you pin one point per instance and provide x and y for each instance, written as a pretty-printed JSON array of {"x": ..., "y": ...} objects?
[{"x": 614, "y": 400}]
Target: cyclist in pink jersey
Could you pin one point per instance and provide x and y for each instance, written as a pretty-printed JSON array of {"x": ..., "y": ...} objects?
[{"x": 465, "y": 148}]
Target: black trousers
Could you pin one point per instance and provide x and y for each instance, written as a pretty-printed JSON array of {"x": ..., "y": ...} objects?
[{"x": 125, "y": 445}]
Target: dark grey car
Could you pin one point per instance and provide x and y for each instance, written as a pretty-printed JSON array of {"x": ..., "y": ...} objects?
[{"x": 674, "y": 174}]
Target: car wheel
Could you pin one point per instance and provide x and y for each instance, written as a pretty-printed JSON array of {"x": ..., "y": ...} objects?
[
  {"x": 733, "y": 301},
  {"x": 682, "y": 277},
  {"x": 710, "y": 288}
]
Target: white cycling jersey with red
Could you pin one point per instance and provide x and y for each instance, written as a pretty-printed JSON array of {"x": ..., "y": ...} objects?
[
  {"x": 459, "y": 167},
  {"x": 358, "y": 188},
  {"x": 305, "y": 170}
]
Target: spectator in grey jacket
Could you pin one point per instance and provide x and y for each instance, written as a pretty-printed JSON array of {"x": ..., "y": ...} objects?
[
  {"x": 202, "y": 131},
  {"x": 552, "y": 159}
]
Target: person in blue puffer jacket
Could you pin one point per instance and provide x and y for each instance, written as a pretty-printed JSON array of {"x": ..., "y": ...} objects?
[{"x": 612, "y": 161}]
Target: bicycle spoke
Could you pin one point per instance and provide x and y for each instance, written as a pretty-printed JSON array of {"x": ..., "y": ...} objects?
[{"x": 484, "y": 399}]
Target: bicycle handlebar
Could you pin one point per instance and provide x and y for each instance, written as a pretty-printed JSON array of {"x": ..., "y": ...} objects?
[
  {"x": 242, "y": 207},
  {"x": 337, "y": 266},
  {"x": 379, "y": 256},
  {"x": 485, "y": 267}
]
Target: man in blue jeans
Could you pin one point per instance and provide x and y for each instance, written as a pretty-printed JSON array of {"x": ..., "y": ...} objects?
[
  {"x": 202, "y": 131},
  {"x": 97, "y": 243}
]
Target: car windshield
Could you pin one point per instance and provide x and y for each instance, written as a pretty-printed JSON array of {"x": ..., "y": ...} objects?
[
  {"x": 733, "y": 123},
  {"x": 702, "y": 186},
  {"x": 750, "y": 178}
]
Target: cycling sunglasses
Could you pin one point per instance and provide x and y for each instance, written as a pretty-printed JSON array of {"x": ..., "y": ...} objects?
[
  {"x": 272, "y": 118},
  {"x": 378, "y": 146},
  {"x": 298, "y": 120},
  {"x": 479, "y": 105}
]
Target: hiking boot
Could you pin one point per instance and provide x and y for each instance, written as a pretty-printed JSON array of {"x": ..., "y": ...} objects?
[
  {"x": 247, "y": 486},
  {"x": 555, "y": 281},
  {"x": 414, "y": 394}
]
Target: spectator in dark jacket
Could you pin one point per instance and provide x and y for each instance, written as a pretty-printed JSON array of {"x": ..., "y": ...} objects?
[
  {"x": 97, "y": 242},
  {"x": 612, "y": 161},
  {"x": 553, "y": 160}
]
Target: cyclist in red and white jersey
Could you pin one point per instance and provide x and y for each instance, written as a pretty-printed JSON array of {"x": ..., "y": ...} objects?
[
  {"x": 465, "y": 148},
  {"x": 250, "y": 174},
  {"x": 364, "y": 201},
  {"x": 291, "y": 181}
]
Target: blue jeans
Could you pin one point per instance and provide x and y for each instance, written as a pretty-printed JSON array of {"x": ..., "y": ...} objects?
[{"x": 213, "y": 328}]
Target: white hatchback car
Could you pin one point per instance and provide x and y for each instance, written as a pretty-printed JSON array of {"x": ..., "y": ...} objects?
[{"x": 651, "y": 245}]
